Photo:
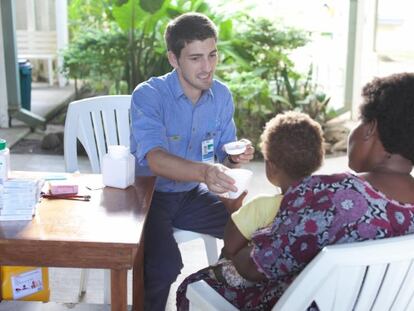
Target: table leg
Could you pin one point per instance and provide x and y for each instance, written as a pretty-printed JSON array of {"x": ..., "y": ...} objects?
[
  {"x": 138, "y": 280},
  {"x": 119, "y": 293}
]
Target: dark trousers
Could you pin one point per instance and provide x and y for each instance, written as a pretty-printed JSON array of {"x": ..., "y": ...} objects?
[{"x": 196, "y": 210}]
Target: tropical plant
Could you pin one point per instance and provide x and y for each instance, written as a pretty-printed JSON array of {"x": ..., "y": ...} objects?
[
  {"x": 119, "y": 43},
  {"x": 96, "y": 57},
  {"x": 266, "y": 83},
  {"x": 135, "y": 30},
  {"x": 118, "y": 36}
]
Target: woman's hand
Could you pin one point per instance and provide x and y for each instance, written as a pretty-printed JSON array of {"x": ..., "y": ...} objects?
[{"x": 246, "y": 267}]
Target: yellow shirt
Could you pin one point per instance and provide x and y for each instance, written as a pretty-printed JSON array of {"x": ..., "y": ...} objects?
[{"x": 256, "y": 214}]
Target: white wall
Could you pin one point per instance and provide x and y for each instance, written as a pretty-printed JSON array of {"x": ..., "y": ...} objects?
[{"x": 4, "y": 115}]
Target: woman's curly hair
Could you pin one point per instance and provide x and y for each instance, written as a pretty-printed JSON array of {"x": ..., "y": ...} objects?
[
  {"x": 293, "y": 142},
  {"x": 390, "y": 101}
]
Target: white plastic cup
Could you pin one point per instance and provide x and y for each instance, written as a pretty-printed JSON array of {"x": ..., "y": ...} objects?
[
  {"x": 235, "y": 147},
  {"x": 242, "y": 179}
]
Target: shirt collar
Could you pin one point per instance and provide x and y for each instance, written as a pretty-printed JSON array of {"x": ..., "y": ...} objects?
[
  {"x": 175, "y": 85},
  {"x": 178, "y": 90}
]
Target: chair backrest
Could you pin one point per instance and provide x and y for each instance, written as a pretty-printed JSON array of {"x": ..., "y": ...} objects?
[
  {"x": 372, "y": 275},
  {"x": 96, "y": 122}
]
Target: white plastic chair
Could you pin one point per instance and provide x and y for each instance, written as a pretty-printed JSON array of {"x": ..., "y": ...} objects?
[
  {"x": 98, "y": 122},
  {"x": 371, "y": 275}
]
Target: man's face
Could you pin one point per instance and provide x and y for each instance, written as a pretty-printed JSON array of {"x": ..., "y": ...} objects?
[{"x": 196, "y": 65}]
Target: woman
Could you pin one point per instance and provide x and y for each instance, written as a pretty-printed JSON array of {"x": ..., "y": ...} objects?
[{"x": 321, "y": 210}]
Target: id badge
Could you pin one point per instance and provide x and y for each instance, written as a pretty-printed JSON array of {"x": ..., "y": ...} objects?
[{"x": 207, "y": 151}]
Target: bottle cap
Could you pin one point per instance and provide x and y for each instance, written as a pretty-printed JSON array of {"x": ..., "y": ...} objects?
[{"x": 2, "y": 144}]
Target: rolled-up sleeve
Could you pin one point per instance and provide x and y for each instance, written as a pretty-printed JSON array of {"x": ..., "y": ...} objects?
[{"x": 148, "y": 131}]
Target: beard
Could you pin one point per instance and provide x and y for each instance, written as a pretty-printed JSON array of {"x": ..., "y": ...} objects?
[{"x": 200, "y": 81}]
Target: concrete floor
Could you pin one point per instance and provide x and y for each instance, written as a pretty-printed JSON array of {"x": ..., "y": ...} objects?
[
  {"x": 64, "y": 283},
  {"x": 46, "y": 100}
]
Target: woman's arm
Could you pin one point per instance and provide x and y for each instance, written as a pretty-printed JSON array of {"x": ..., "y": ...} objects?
[{"x": 245, "y": 265}]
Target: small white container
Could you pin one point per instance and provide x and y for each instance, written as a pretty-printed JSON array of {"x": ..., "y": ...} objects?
[
  {"x": 118, "y": 167},
  {"x": 4, "y": 160},
  {"x": 235, "y": 147},
  {"x": 242, "y": 178}
]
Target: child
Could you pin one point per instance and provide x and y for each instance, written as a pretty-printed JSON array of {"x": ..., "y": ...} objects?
[{"x": 292, "y": 146}]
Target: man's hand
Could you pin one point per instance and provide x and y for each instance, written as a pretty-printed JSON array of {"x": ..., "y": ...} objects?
[
  {"x": 217, "y": 181},
  {"x": 246, "y": 156},
  {"x": 233, "y": 205}
]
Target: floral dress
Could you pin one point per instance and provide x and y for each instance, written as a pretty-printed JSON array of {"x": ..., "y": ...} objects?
[{"x": 320, "y": 210}]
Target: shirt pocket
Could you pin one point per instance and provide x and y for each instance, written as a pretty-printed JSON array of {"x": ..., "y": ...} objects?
[{"x": 176, "y": 144}]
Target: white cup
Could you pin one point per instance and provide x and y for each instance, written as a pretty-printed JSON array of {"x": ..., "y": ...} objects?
[
  {"x": 242, "y": 178},
  {"x": 235, "y": 147}
]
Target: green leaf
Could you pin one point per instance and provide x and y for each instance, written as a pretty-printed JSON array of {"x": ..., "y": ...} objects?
[
  {"x": 120, "y": 2},
  {"x": 226, "y": 30},
  {"x": 151, "y": 6},
  {"x": 128, "y": 14}
]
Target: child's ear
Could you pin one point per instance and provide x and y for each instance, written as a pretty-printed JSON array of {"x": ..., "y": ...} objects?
[
  {"x": 272, "y": 172},
  {"x": 277, "y": 176},
  {"x": 273, "y": 168}
]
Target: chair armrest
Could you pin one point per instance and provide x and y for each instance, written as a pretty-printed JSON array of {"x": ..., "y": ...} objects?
[{"x": 203, "y": 297}]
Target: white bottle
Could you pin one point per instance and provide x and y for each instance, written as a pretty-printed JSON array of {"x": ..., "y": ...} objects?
[
  {"x": 118, "y": 167},
  {"x": 4, "y": 160}
]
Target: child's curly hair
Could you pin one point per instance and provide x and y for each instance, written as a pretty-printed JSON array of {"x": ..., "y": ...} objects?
[{"x": 293, "y": 142}]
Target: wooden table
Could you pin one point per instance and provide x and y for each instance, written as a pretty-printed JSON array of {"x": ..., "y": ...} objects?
[{"x": 104, "y": 233}]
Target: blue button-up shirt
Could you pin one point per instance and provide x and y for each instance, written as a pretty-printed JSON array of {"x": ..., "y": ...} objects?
[{"x": 162, "y": 116}]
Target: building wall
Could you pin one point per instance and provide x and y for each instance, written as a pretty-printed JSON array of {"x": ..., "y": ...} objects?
[{"x": 36, "y": 15}]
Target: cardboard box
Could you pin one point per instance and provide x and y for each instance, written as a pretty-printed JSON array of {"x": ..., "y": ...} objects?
[{"x": 62, "y": 187}]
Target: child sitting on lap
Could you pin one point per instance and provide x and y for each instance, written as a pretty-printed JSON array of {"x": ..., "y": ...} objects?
[{"x": 292, "y": 146}]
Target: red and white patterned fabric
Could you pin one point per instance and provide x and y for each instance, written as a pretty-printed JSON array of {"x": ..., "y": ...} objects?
[{"x": 320, "y": 210}]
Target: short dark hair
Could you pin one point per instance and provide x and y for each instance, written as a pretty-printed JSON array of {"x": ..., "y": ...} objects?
[
  {"x": 293, "y": 142},
  {"x": 187, "y": 28},
  {"x": 390, "y": 101}
]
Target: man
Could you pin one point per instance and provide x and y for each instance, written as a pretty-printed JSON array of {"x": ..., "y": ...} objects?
[{"x": 180, "y": 122}]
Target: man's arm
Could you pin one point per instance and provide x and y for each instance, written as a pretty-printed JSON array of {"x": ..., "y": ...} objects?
[{"x": 172, "y": 167}]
